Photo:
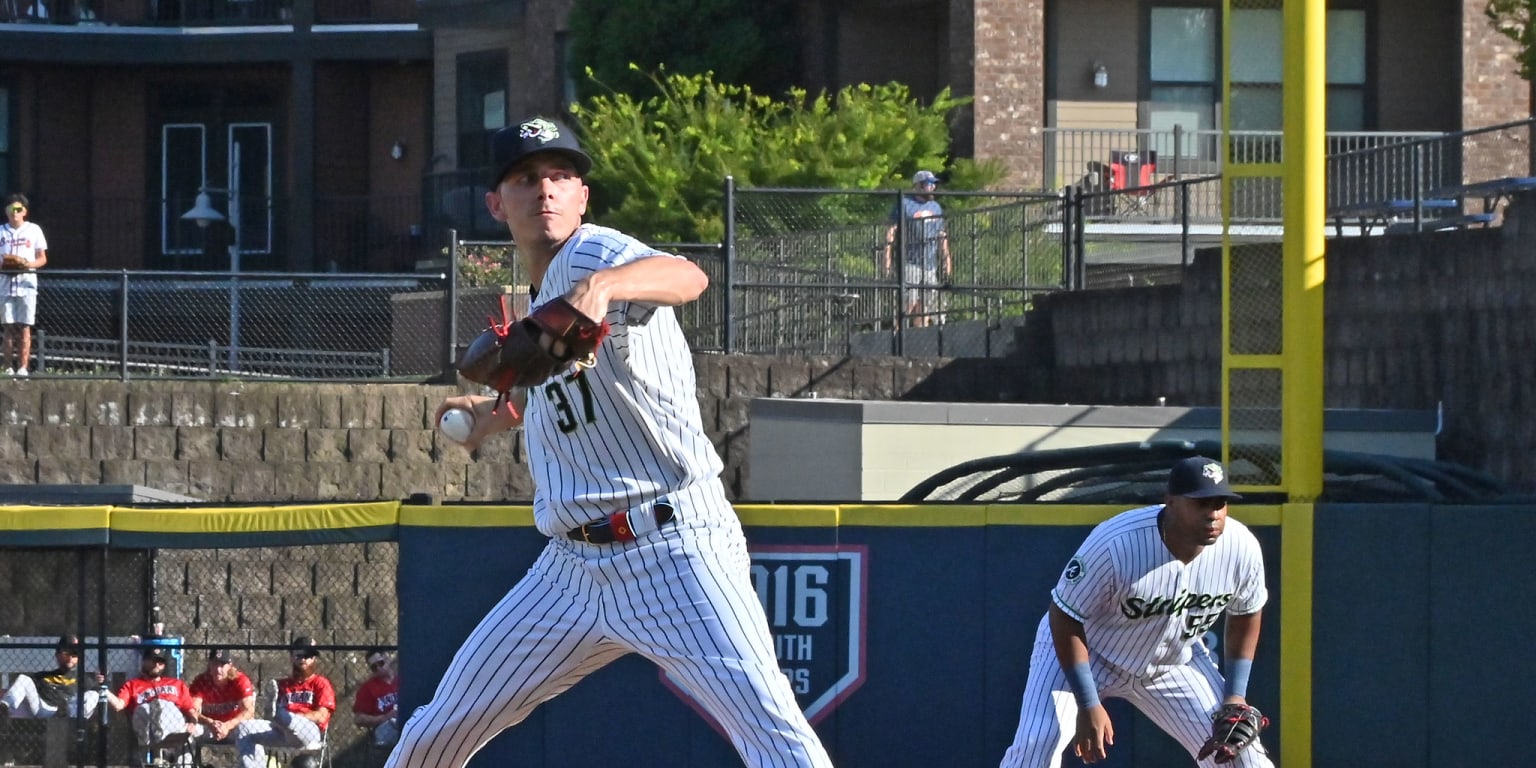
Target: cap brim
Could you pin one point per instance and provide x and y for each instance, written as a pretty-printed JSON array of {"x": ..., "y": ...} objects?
[{"x": 1210, "y": 494}]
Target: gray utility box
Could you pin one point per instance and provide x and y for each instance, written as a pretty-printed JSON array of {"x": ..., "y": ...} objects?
[{"x": 876, "y": 450}]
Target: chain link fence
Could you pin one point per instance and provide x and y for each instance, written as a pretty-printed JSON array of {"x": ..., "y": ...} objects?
[
  {"x": 810, "y": 269},
  {"x": 254, "y": 325},
  {"x": 252, "y": 601}
]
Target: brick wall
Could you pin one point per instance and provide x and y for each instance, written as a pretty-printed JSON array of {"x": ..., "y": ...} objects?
[
  {"x": 1492, "y": 92},
  {"x": 1008, "y": 75}
]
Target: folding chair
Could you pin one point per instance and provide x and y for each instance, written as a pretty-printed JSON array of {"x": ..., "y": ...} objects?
[
  {"x": 282, "y": 757},
  {"x": 1133, "y": 171}
]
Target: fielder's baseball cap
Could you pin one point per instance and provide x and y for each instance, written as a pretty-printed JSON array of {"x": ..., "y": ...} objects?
[
  {"x": 536, "y": 134},
  {"x": 221, "y": 655},
  {"x": 304, "y": 645},
  {"x": 1198, "y": 477},
  {"x": 924, "y": 177},
  {"x": 69, "y": 644}
]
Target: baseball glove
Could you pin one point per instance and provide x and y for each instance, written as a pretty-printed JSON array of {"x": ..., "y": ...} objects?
[
  {"x": 14, "y": 261},
  {"x": 1233, "y": 728},
  {"x": 525, "y": 353}
]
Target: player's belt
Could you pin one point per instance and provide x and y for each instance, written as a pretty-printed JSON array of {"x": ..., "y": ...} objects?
[{"x": 616, "y": 527}]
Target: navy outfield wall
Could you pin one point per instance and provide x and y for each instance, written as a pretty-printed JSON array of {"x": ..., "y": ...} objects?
[
  {"x": 1424, "y": 622},
  {"x": 1413, "y": 620},
  {"x": 906, "y": 631}
]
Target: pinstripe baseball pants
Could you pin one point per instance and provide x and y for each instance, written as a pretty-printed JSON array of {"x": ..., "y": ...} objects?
[
  {"x": 681, "y": 596},
  {"x": 1179, "y": 700}
]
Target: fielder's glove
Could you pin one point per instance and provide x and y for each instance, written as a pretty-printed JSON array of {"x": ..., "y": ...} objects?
[
  {"x": 525, "y": 353},
  {"x": 1233, "y": 728},
  {"x": 14, "y": 261}
]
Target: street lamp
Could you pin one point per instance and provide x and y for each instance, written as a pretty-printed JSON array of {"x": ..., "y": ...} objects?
[{"x": 204, "y": 214}]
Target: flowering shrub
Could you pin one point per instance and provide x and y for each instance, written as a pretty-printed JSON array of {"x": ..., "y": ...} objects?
[{"x": 483, "y": 265}]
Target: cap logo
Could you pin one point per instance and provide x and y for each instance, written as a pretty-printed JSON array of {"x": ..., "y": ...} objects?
[
  {"x": 1212, "y": 471},
  {"x": 539, "y": 129}
]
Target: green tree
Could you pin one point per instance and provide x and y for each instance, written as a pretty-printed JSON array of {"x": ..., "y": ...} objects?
[
  {"x": 661, "y": 160},
  {"x": 1512, "y": 18},
  {"x": 742, "y": 41}
]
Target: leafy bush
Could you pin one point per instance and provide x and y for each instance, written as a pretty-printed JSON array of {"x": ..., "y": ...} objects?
[
  {"x": 1513, "y": 19},
  {"x": 661, "y": 161}
]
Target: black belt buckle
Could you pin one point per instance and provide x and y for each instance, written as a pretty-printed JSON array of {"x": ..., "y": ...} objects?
[{"x": 615, "y": 527}]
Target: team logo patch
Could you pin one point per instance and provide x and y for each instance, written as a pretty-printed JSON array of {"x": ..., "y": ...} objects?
[
  {"x": 815, "y": 598},
  {"x": 539, "y": 128},
  {"x": 1212, "y": 471},
  {"x": 1074, "y": 571}
]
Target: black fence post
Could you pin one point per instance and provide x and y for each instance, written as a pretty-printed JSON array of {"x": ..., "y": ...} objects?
[
  {"x": 1186, "y": 245},
  {"x": 122, "y": 326},
  {"x": 1418, "y": 187},
  {"x": 729, "y": 251},
  {"x": 451, "y": 306},
  {"x": 897, "y": 261}
]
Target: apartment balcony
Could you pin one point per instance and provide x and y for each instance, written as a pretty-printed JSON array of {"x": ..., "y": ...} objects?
[
  {"x": 93, "y": 14},
  {"x": 1362, "y": 168}
]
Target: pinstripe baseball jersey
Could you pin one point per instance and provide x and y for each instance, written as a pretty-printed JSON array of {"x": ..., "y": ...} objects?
[
  {"x": 642, "y": 390},
  {"x": 1143, "y": 608}
]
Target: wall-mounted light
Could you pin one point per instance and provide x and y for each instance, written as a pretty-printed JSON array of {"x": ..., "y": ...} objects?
[
  {"x": 398, "y": 150},
  {"x": 1100, "y": 76}
]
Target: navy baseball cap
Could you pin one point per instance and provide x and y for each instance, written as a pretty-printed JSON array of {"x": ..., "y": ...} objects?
[
  {"x": 924, "y": 177},
  {"x": 304, "y": 645},
  {"x": 155, "y": 652},
  {"x": 68, "y": 644},
  {"x": 536, "y": 134},
  {"x": 1198, "y": 477},
  {"x": 220, "y": 655}
]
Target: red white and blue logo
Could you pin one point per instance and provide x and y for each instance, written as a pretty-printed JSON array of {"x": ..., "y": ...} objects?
[{"x": 815, "y": 598}]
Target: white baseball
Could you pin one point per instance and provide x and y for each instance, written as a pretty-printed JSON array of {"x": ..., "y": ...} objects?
[{"x": 456, "y": 424}]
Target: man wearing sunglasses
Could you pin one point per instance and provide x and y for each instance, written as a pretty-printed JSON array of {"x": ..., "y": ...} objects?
[
  {"x": 304, "y": 703},
  {"x": 25, "y": 249},
  {"x": 378, "y": 699}
]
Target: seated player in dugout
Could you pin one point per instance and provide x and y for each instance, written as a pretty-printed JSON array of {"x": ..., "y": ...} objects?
[
  {"x": 49, "y": 692},
  {"x": 159, "y": 707}
]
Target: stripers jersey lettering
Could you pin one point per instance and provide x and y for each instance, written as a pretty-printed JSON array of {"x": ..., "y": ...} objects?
[{"x": 1142, "y": 608}]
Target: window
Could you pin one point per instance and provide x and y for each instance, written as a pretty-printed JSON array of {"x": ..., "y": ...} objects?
[
  {"x": 5, "y": 141},
  {"x": 250, "y": 149},
  {"x": 183, "y": 172},
  {"x": 481, "y": 104},
  {"x": 1184, "y": 76},
  {"x": 565, "y": 71},
  {"x": 1256, "y": 74},
  {"x": 185, "y": 156}
]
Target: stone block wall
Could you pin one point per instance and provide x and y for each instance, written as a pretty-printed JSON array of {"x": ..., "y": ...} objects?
[
  {"x": 1441, "y": 320},
  {"x": 285, "y": 443}
]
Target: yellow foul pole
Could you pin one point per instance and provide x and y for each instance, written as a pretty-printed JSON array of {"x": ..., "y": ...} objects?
[{"x": 1305, "y": 202}]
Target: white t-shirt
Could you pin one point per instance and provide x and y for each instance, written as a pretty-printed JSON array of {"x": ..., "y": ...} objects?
[{"x": 24, "y": 241}]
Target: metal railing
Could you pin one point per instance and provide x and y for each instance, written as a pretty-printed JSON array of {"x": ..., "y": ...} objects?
[
  {"x": 202, "y": 13},
  {"x": 799, "y": 271},
  {"x": 124, "y": 325}
]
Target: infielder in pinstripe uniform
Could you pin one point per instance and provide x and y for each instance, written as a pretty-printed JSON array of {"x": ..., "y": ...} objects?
[
  {"x": 645, "y": 554},
  {"x": 1127, "y": 617}
]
